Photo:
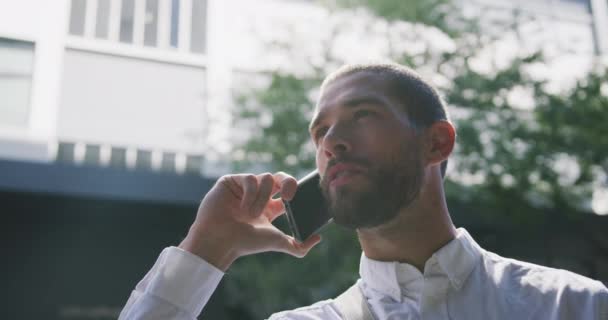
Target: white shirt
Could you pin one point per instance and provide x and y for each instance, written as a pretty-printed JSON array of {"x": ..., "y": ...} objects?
[{"x": 460, "y": 281}]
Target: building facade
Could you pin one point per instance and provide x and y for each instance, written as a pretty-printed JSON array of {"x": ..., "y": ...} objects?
[
  {"x": 106, "y": 82},
  {"x": 146, "y": 83}
]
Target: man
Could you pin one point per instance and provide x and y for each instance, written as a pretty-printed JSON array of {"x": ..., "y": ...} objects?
[{"x": 383, "y": 138}]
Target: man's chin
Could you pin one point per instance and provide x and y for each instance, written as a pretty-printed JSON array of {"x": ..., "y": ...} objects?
[
  {"x": 350, "y": 220},
  {"x": 351, "y": 203},
  {"x": 355, "y": 209},
  {"x": 347, "y": 210},
  {"x": 346, "y": 195}
]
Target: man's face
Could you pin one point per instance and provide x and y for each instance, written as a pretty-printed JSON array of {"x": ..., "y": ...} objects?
[{"x": 368, "y": 154}]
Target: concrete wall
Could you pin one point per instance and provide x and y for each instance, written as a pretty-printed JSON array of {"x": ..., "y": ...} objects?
[{"x": 131, "y": 102}]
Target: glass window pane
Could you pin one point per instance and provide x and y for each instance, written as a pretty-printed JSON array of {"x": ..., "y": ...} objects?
[
  {"x": 194, "y": 164},
  {"x": 118, "y": 157},
  {"x": 168, "y": 162},
  {"x": 16, "y": 57},
  {"x": 126, "y": 21},
  {"x": 584, "y": 3},
  {"x": 174, "y": 23},
  {"x": 143, "y": 160},
  {"x": 77, "y": 15},
  {"x": 92, "y": 154},
  {"x": 65, "y": 152},
  {"x": 103, "y": 19},
  {"x": 14, "y": 107},
  {"x": 16, "y": 66},
  {"x": 198, "y": 40},
  {"x": 577, "y": 7},
  {"x": 151, "y": 21}
]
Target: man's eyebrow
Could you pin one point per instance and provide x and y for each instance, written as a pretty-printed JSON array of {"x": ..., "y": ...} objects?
[{"x": 352, "y": 103}]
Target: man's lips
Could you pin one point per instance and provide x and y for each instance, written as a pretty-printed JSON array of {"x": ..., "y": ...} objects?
[{"x": 342, "y": 170}]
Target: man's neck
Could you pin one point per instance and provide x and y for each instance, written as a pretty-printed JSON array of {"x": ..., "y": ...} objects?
[{"x": 415, "y": 234}]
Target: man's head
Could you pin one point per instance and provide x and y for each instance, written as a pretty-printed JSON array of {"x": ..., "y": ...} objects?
[{"x": 378, "y": 129}]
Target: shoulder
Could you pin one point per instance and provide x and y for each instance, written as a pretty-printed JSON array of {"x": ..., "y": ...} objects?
[
  {"x": 543, "y": 278},
  {"x": 320, "y": 310}
]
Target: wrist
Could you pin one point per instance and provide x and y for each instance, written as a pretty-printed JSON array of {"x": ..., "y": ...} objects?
[{"x": 218, "y": 252}]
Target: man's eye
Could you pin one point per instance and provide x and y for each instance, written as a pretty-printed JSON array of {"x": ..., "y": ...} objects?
[
  {"x": 319, "y": 133},
  {"x": 362, "y": 113}
]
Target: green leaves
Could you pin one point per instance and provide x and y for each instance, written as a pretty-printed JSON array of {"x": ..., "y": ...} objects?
[
  {"x": 278, "y": 116},
  {"x": 430, "y": 12}
]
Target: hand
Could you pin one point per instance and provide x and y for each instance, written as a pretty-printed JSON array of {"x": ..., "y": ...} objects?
[{"x": 235, "y": 219}]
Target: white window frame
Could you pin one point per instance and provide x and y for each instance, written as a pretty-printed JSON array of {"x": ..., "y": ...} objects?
[
  {"x": 599, "y": 11},
  {"x": 185, "y": 25},
  {"x": 139, "y": 22},
  {"x": 90, "y": 18},
  {"x": 114, "y": 21},
  {"x": 164, "y": 24}
]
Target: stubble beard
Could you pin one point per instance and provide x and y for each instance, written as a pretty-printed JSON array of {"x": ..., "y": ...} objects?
[{"x": 388, "y": 189}]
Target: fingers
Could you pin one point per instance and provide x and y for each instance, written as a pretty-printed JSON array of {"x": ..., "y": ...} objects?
[
  {"x": 288, "y": 185},
  {"x": 249, "y": 183},
  {"x": 265, "y": 187},
  {"x": 257, "y": 191},
  {"x": 275, "y": 209}
]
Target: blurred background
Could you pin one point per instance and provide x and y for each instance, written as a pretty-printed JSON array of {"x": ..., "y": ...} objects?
[{"x": 117, "y": 116}]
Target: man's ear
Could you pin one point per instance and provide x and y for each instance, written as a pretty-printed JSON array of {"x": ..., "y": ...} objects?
[{"x": 441, "y": 137}]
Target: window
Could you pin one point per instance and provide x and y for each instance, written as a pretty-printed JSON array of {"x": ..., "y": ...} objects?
[
  {"x": 174, "y": 22},
  {"x": 77, "y": 15},
  {"x": 118, "y": 157},
  {"x": 194, "y": 163},
  {"x": 16, "y": 68},
  {"x": 65, "y": 152},
  {"x": 165, "y": 24},
  {"x": 92, "y": 154},
  {"x": 579, "y": 2},
  {"x": 577, "y": 6},
  {"x": 151, "y": 23},
  {"x": 198, "y": 37},
  {"x": 168, "y": 162},
  {"x": 144, "y": 160},
  {"x": 126, "y": 21},
  {"x": 102, "y": 28}
]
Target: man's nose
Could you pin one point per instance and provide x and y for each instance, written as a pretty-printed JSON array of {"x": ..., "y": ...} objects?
[{"x": 336, "y": 141}]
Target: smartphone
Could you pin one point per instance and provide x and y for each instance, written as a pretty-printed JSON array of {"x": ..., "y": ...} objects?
[{"x": 307, "y": 211}]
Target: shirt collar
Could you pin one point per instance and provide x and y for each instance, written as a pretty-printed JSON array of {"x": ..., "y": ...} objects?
[
  {"x": 456, "y": 260},
  {"x": 459, "y": 257}
]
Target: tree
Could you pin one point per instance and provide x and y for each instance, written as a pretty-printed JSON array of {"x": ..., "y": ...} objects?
[{"x": 282, "y": 143}]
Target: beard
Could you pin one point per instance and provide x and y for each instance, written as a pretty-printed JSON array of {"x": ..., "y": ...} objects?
[{"x": 388, "y": 189}]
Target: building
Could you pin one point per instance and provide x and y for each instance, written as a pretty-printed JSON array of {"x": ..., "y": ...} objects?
[
  {"x": 120, "y": 83},
  {"x": 142, "y": 83}
]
